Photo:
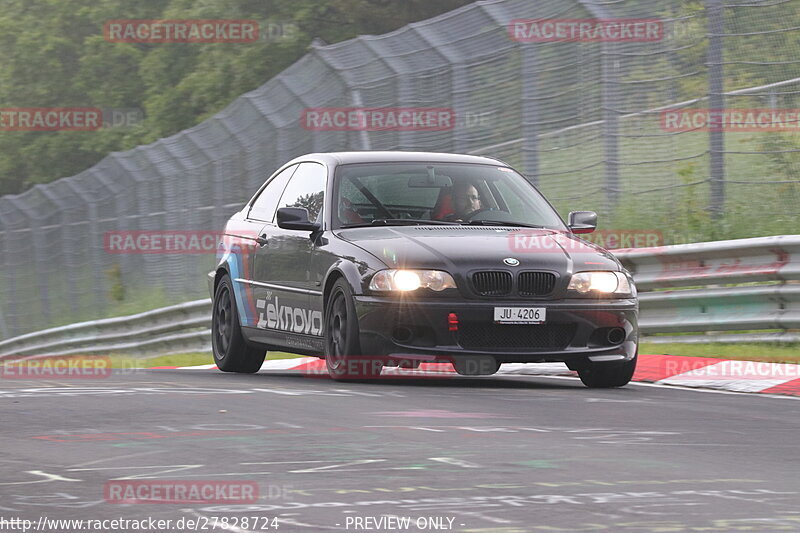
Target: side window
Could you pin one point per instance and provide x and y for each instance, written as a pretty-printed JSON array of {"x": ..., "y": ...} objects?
[
  {"x": 306, "y": 189},
  {"x": 267, "y": 202}
]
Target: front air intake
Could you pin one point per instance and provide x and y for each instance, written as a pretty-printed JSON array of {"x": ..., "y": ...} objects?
[
  {"x": 492, "y": 283},
  {"x": 536, "y": 283}
]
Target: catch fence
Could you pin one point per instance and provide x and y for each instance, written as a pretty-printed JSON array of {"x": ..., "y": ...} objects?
[{"x": 584, "y": 120}]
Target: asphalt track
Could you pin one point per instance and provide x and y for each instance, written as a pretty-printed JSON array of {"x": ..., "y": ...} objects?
[{"x": 506, "y": 454}]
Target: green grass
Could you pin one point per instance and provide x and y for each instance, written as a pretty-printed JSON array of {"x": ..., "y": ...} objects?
[
  {"x": 768, "y": 353},
  {"x": 680, "y": 213},
  {"x": 186, "y": 359}
]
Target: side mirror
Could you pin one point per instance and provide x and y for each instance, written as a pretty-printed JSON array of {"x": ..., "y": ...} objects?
[
  {"x": 295, "y": 218},
  {"x": 582, "y": 221}
]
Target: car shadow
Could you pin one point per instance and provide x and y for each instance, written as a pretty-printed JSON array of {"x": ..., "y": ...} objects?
[{"x": 443, "y": 381}]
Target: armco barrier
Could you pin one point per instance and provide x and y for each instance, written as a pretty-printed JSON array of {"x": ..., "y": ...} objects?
[
  {"x": 177, "y": 328},
  {"x": 715, "y": 287},
  {"x": 711, "y": 289}
]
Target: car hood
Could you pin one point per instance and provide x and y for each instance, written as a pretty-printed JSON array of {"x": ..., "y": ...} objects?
[{"x": 458, "y": 249}]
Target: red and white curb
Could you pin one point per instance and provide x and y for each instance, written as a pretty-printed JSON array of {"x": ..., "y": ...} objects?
[{"x": 695, "y": 372}]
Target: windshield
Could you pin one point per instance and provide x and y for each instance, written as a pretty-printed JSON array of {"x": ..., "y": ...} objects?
[{"x": 401, "y": 193}]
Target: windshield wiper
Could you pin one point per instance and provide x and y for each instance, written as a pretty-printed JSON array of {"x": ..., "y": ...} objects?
[
  {"x": 400, "y": 222},
  {"x": 411, "y": 222},
  {"x": 502, "y": 223}
]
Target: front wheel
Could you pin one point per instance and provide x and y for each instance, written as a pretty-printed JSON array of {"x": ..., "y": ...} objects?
[
  {"x": 343, "y": 355},
  {"x": 607, "y": 375},
  {"x": 232, "y": 353}
]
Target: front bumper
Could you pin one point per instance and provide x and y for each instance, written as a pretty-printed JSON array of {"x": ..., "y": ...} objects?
[{"x": 575, "y": 330}]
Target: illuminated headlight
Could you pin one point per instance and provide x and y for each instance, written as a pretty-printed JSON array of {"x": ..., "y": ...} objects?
[
  {"x": 411, "y": 280},
  {"x": 602, "y": 283}
]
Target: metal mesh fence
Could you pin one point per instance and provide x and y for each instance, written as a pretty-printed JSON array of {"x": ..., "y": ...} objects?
[{"x": 584, "y": 120}]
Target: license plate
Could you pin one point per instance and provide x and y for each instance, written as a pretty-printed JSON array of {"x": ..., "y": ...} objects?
[{"x": 519, "y": 315}]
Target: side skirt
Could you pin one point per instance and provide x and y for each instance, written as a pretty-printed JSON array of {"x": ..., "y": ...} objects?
[{"x": 283, "y": 341}]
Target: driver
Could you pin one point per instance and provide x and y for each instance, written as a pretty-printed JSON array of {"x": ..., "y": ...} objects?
[{"x": 466, "y": 200}]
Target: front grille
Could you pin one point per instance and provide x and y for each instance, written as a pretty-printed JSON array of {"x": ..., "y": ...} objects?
[
  {"x": 500, "y": 337},
  {"x": 492, "y": 283},
  {"x": 536, "y": 283}
]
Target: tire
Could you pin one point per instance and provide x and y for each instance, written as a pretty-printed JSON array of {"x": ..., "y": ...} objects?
[
  {"x": 232, "y": 353},
  {"x": 476, "y": 366},
  {"x": 607, "y": 375},
  {"x": 343, "y": 355}
]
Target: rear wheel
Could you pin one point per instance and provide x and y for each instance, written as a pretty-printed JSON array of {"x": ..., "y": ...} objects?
[
  {"x": 232, "y": 353},
  {"x": 343, "y": 355},
  {"x": 607, "y": 375}
]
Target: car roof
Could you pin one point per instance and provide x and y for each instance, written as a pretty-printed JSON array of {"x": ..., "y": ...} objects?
[{"x": 344, "y": 158}]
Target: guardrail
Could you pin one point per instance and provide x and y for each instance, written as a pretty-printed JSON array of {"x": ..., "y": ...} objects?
[
  {"x": 175, "y": 329},
  {"x": 718, "y": 289}
]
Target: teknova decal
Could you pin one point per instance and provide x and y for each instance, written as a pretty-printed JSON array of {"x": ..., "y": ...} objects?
[{"x": 285, "y": 318}]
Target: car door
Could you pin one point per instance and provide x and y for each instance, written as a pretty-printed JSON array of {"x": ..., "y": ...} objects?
[
  {"x": 258, "y": 216},
  {"x": 282, "y": 264}
]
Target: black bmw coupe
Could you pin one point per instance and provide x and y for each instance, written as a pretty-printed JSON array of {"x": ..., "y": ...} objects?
[{"x": 370, "y": 259}]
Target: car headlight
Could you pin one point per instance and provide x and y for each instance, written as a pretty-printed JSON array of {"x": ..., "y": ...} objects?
[
  {"x": 411, "y": 280},
  {"x": 602, "y": 283}
]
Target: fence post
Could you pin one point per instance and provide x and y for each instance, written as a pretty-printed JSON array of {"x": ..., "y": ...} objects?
[
  {"x": 460, "y": 95},
  {"x": 63, "y": 253},
  {"x": 530, "y": 113},
  {"x": 4, "y": 334},
  {"x": 402, "y": 84},
  {"x": 94, "y": 242},
  {"x": 716, "y": 98},
  {"x": 7, "y": 281},
  {"x": 610, "y": 102},
  {"x": 42, "y": 260},
  {"x": 352, "y": 90}
]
